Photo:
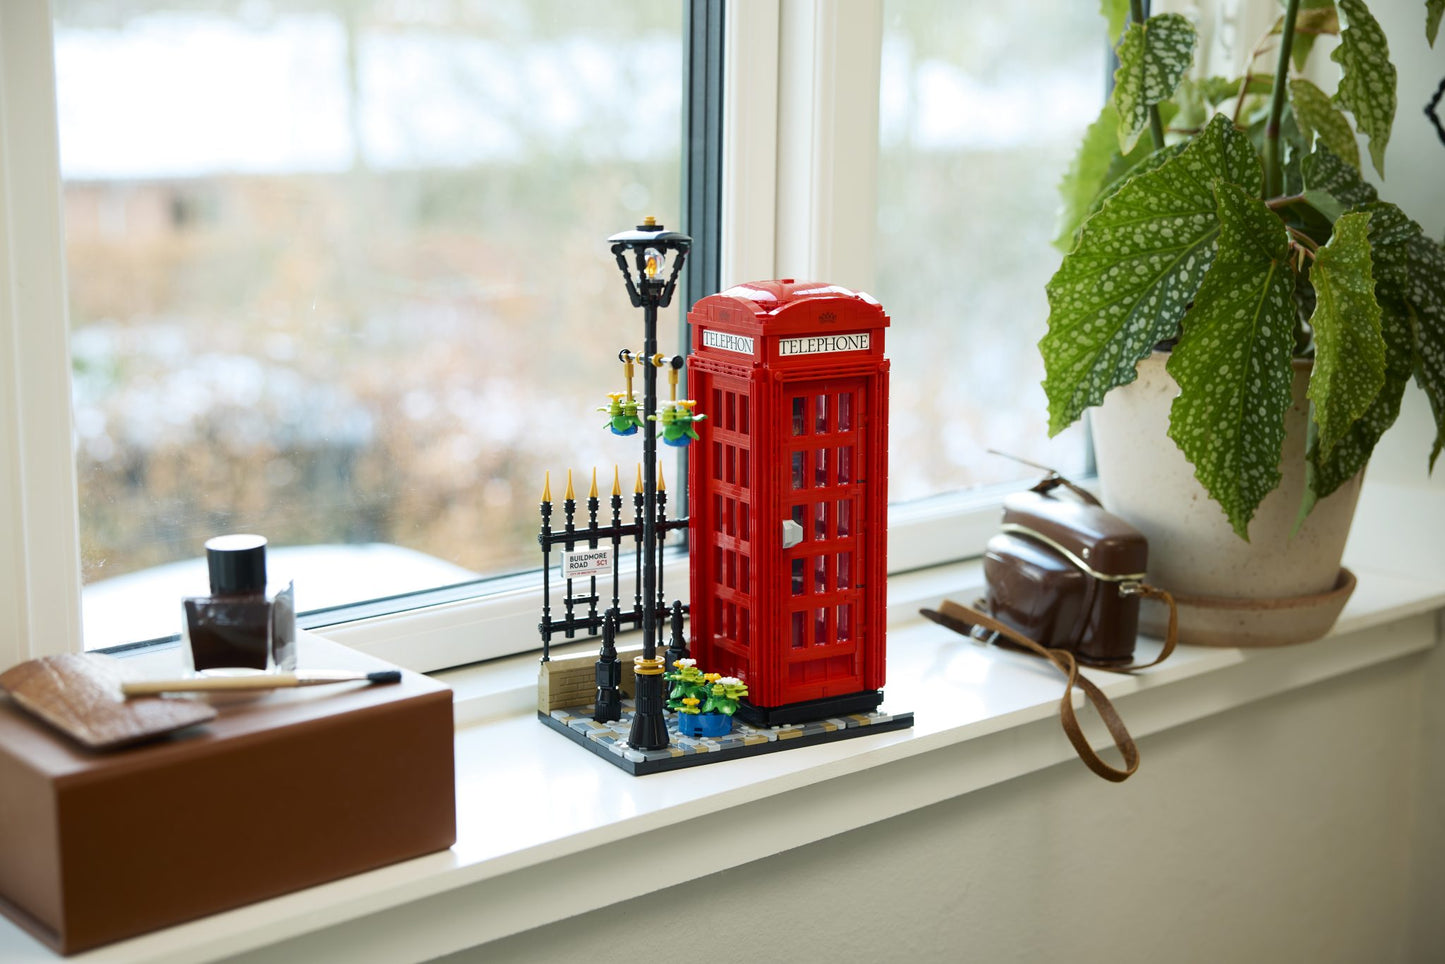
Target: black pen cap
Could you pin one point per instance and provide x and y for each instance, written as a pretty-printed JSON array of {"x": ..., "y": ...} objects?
[{"x": 237, "y": 564}]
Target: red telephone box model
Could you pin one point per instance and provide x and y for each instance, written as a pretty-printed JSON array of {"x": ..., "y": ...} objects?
[{"x": 789, "y": 496}]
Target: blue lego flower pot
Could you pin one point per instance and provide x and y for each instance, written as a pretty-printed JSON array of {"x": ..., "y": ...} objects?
[{"x": 704, "y": 724}]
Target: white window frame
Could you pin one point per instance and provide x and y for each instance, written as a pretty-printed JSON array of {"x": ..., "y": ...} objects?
[
  {"x": 39, "y": 528},
  {"x": 799, "y": 198}
]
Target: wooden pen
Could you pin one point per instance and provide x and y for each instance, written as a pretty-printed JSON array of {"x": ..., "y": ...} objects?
[{"x": 258, "y": 681}]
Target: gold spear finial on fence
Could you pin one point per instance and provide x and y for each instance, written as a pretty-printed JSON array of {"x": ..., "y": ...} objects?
[
  {"x": 547, "y": 487},
  {"x": 570, "y": 496},
  {"x": 637, "y": 489},
  {"x": 661, "y": 482},
  {"x": 616, "y": 480},
  {"x": 593, "y": 493}
]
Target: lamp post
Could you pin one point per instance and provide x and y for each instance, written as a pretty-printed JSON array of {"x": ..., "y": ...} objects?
[{"x": 650, "y": 286}]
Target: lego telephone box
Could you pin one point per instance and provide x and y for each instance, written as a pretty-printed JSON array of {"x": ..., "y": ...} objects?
[{"x": 789, "y": 496}]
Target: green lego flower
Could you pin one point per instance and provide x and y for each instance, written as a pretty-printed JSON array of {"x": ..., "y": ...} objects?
[
  {"x": 689, "y": 688},
  {"x": 676, "y": 419},
  {"x": 622, "y": 417}
]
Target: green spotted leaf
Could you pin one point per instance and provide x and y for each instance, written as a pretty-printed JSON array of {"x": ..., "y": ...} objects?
[
  {"x": 1087, "y": 175},
  {"x": 1433, "y": 10},
  {"x": 1127, "y": 167},
  {"x": 1143, "y": 157},
  {"x": 1326, "y": 473},
  {"x": 1409, "y": 269},
  {"x": 1317, "y": 117},
  {"x": 1425, "y": 293},
  {"x": 1315, "y": 17},
  {"x": 1193, "y": 107},
  {"x": 1153, "y": 57},
  {"x": 1398, "y": 249},
  {"x": 1392, "y": 234},
  {"x": 1232, "y": 362},
  {"x": 1326, "y": 204},
  {"x": 1324, "y": 171},
  {"x": 1137, "y": 265},
  {"x": 1085, "y": 188},
  {"x": 1367, "y": 78},
  {"x": 1216, "y": 90},
  {"x": 1116, "y": 13},
  {"x": 1349, "y": 348},
  {"x": 1428, "y": 322}
]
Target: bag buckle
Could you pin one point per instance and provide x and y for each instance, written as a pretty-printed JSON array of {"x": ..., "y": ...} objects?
[{"x": 982, "y": 634}]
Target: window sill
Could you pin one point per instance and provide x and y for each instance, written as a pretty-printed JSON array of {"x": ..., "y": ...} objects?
[{"x": 540, "y": 821}]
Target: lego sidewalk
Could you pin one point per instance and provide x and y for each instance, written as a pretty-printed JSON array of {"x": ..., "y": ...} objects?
[{"x": 609, "y": 740}]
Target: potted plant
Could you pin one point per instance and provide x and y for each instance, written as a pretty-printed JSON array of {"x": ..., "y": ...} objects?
[
  {"x": 1226, "y": 222},
  {"x": 705, "y": 702}
]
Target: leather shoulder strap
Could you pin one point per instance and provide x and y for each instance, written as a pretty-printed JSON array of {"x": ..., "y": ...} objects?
[
  {"x": 958, "y": 616},
  {"x": 1053, "y": 480},
  {"x": 1171, "y": 634}
]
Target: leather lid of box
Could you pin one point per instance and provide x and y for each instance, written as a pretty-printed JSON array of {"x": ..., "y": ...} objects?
[{"x": 281, "y": 791}]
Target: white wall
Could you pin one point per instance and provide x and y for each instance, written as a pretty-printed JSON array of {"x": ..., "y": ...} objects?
[{"x": 1302, "y": 828}]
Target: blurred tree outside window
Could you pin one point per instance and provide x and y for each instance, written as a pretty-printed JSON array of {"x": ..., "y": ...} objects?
[
  {"x": 980, "y": 109},
  {"x": 337, "y": 275}
]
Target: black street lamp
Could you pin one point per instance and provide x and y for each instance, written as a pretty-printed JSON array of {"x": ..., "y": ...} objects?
[{"x": 650, "y": 285}]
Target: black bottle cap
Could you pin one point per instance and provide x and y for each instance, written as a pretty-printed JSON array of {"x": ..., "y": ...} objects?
[{"x": 237, "y": 564}]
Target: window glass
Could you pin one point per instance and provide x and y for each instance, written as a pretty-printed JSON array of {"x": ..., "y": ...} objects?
[
  {"x": 338, "y": 276},
  {"x": 981, "y": 107}
]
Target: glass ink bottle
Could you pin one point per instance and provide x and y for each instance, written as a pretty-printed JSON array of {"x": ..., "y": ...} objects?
[{"x": 240, "y": 624}]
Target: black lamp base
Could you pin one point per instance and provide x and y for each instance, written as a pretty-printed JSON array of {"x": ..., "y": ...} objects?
[{"x": 649, "y": 726}]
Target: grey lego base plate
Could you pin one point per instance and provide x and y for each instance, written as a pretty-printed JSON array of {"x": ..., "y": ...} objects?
[{"x": 609, "y": 740}]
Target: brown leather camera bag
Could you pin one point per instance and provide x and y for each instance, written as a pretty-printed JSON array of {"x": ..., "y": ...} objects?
[
  {"x": 1068, "y": 574},
  {"x": 1063, "y": 580}
]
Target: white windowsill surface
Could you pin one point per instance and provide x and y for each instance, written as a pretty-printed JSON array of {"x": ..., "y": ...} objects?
[{"x": 542, "y": 821}]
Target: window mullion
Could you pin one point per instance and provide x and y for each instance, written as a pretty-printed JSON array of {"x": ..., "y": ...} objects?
[
  {"x": 750, "y": 140},
  {"x": 830, "y": 58},
  {"x": 702, "y": 148},
  {"x": 39, "y": 540},
  {"x": 705, "y": 70}
]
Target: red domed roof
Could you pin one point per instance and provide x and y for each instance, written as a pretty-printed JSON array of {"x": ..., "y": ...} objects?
[{"x": 768, "y": 297}]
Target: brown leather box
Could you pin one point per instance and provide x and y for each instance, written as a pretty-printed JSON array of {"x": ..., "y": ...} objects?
[{"x": 281, "y": 791}]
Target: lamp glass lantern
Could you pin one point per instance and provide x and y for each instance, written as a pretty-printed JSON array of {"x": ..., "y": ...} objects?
[{"x": 650, "y": 283}]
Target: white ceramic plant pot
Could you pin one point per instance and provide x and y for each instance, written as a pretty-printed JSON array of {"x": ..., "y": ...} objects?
[{"x": 1276, "y": 588}]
